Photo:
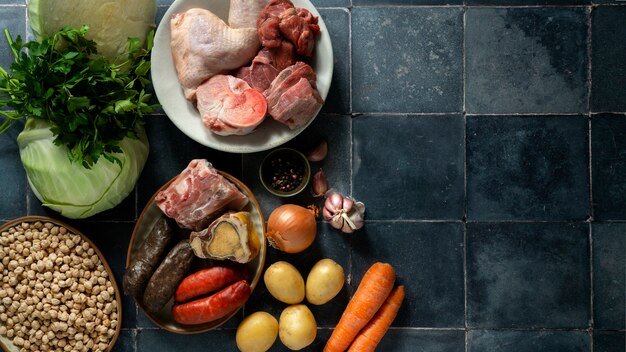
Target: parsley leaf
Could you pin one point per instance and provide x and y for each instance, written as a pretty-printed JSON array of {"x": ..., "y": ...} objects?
[{"x": 90, "y": 103}]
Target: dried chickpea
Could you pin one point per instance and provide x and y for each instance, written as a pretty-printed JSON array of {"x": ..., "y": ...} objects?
[{"x": 55, "y": 292}]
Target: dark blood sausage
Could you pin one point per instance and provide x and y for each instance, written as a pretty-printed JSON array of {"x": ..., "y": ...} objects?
[
  {"x": 167, "y": 276},
  {"x": 208, "y": 280},
  {"x": 213, "y": 307},
  {"x": 148, "y": 258}
]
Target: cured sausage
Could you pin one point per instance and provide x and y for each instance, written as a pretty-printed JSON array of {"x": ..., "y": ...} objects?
[
  {"x": 148, "y": 258},
  {"x": 209, "y": 280},
  {"x": 213, "y": 307},
  {"x": 167, "y": 276}
]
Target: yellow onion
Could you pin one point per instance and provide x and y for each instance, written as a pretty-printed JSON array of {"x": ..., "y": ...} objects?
[{"x": 291, "y": 228}]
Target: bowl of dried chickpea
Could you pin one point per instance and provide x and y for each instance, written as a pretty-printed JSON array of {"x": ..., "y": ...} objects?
[{"x": 57, "y": 292}]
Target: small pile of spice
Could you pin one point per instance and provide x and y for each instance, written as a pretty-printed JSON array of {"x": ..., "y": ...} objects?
[{"x": 284, "y": 173}]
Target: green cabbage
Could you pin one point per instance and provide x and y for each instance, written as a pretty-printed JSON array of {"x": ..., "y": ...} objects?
[
  {"x": 69, "y": 188},
  {"x": 110, "y": 22}
]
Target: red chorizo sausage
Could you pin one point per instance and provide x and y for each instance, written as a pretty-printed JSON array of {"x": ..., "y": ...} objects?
[
  {"x": 213, "y": 307},
  {"x": 208, "y": 280}
]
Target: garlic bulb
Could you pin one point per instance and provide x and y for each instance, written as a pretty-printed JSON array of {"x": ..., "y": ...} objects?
[{"x": 343, "y": 213}]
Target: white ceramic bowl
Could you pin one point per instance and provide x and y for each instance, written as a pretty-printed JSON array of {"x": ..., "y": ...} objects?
[{"x": 185, "y": 116}]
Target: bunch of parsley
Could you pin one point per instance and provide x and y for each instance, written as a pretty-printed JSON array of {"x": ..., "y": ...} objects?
[{"x": 90, "y": 102}]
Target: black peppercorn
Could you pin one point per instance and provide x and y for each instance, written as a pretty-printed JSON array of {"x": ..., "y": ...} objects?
[{"x": 284, "y": 173}]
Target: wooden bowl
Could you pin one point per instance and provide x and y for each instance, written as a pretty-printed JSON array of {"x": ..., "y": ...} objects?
[
  {"x": 5, "y": 343},
  {"x": 149, "y": 216}
]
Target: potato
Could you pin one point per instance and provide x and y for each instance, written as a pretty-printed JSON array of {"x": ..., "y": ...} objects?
[
  {"x": 284, "y": 282},
  {"x": 257, "y": 332},
  {"x": 324, "y": 281},
  {"x": 297, "y": 327}
]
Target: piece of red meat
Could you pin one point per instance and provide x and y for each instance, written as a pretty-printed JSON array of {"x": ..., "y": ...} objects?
[
  {"x": 280, "y": 19},
  {"x": 266, "y": 66},
  {"x": 292, "y": 98},
  {"x": 268, "y": 21},
  {"x": 300, "y": 27},
  {"x": 198, "y": 195},
  {"x": 228, "y": 105}
]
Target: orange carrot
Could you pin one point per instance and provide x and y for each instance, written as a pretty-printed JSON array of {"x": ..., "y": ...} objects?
[
  {"x": 373, "y": 332},
  {"x": 372, "y": 292}
]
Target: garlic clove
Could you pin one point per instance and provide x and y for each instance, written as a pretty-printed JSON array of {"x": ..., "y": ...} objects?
[
  {"x": 334, "y": 202},
  {"x": 336, "y": 222},
  {"x": 347, "y": 204},
  {"x": 319, "y": 152},
  {"x": 320, "y": 183}
]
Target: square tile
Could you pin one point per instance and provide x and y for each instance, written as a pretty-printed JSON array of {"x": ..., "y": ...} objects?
[
  {"x": 609, "y": 341},
  {"x": 113, "y": 240},
  {"x": 150, "y": 340},
  {"x": 609, "y": 276},
  {"x": 331, "y": 3},
  {"x": 608, "y": 163},
  {"x": 335, "y": 130},
  {"x": 526, "y": 2},
  {"x": 428, "y": 259},
  {"x": 12, "y": 18},
  {"x": 409, "y": 167},
  {"x": 405, "y": 2},
  {"x": 527, "y": 168},
  {"x": 126, "y": 341},
  {"x": 528, "y": 275},
  {"x": 608, "y": 54},
  {"x": 603, "y": 2},
  {"x": 407, "y": 59},
  {"x": 338, "y": 23},
  {"x": 526, "y": 60},
  {"x": 13, "y": 202},
  {"x": 427, "y": 340},
  {"x": 527, "y": 341}
]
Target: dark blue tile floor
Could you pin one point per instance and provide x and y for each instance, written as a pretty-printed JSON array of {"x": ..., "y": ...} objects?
[{"x": 487, "y": 139}]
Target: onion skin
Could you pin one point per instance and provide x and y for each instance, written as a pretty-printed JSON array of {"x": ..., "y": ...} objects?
[{"x": 291, "y": 228}]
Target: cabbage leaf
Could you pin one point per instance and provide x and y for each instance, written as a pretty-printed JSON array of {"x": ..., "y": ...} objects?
[
  {"x": 69, "y": 188},
  {"x": 111, "y": 22}
]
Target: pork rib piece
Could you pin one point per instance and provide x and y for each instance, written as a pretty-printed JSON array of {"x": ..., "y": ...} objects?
[
  {"x": 292, "y": 98},
  {"x": 228, "y": 105},
  {"x": 199, "y": 195},
  {"x": 204, "y": 45}
]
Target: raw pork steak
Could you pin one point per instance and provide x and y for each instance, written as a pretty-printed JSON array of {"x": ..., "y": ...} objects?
[
  {"x": 228, "y": 105},
  {"x": 292, "y": 98}
]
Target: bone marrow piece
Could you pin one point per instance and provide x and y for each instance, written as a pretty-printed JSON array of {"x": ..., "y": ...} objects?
[
  {"x": 231, "y": 236},
  {"x": 228, "y": 105}
]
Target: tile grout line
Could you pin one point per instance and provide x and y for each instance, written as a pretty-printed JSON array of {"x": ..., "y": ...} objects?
[
  {"x": 350, "y": 127},
  {"x": 350, "y": 59},
  {"x": 465, "y": 193},
  {"x": 591, "y": 287},
  {"x": 590, "y": 165}
]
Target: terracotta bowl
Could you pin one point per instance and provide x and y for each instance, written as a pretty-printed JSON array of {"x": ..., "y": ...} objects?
[{"x": 149, "y": 216}]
